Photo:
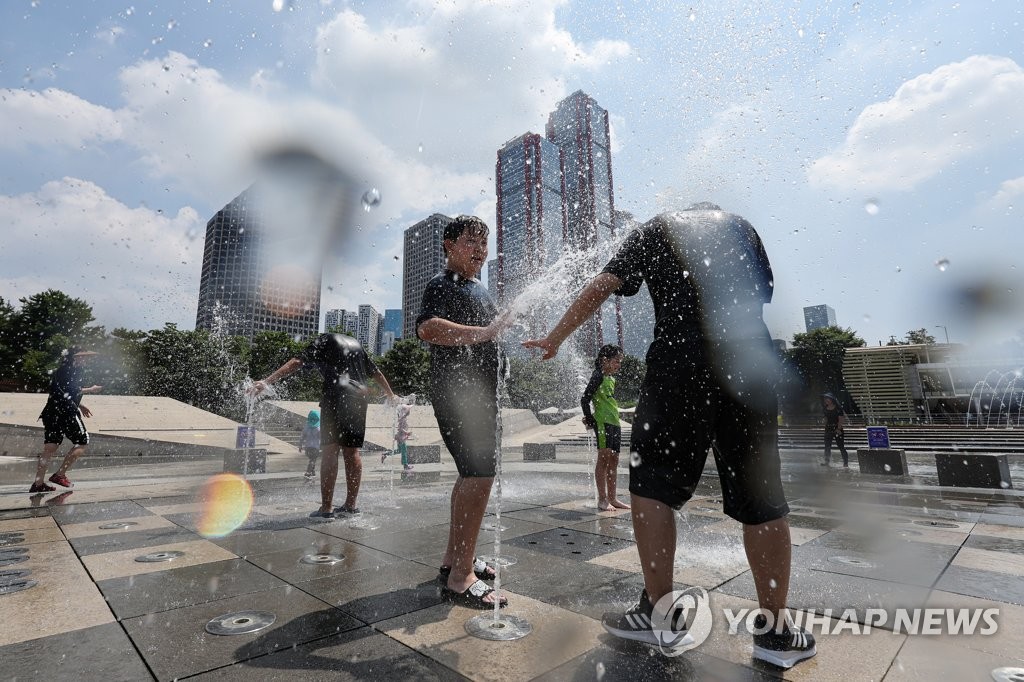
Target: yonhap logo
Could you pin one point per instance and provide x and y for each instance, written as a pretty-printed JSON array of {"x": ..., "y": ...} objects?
[{"x": 681, "y": 620}]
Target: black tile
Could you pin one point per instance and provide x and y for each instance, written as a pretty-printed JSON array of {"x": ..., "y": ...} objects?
[
  {"x": 179, "y": 587},
  {"x": 286, "y": 564},
  {"x": 570, "y": 544},
  {"x": 28, "y": 513},
  {"x": 131, "y": 539},
  {"x": 983, "y": 584},
  {"x": 102, "y": 652},
  {"x": 553, "y": 516},
  {"x": 373, "y": 595},
  {"x": 362, "y": 654},
  {"x": 546, "y": 577},
  {"x": 175, "y": 643},
  {"x": 256, "y": 542},
  {"x": 995, "y": 544},
  {"x": 97, "y": 511}
]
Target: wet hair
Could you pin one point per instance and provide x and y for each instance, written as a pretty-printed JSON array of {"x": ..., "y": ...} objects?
[
  {"x": 465, "y": 223},
  {"x": 608, "y": 351}
]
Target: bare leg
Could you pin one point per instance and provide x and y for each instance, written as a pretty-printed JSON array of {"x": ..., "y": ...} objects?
[
  {"x": 469, "y": 502},
  {"x": 69, "y": 459},
  {"x": 328, "y": 476},
  {"x": 44, "y": 462},
  {"x": 449, "y": 551},
  {"x": 601, "y": 480},
  {"x": 654, "y": 526},
  {"x": 353, "y": 475},
  {"x": 769, "y": 552},
  {"x": 613, "y": 481}
]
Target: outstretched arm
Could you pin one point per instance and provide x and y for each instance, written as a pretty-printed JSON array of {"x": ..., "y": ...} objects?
[
  {"x": 586, "y": 304},
  {"x": 284, "y": 371},
  {"x": 382, "y": 381},
  {"x": 442, "y": 332}
]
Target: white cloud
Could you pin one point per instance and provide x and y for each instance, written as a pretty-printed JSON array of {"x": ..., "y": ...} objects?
[
  {"x": 135, "y": 266},
  {"x": 53, "y": 117},
  {"x": 1009, "y": 191},
  {"x": 931, "y": 123}
]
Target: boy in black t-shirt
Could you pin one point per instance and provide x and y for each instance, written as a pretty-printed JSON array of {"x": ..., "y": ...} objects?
[
  {"x": 347, "y": 371},
  {"x": 459, "y": 320},
  {"x": 62, "y": 416},
  {"x": 709, "y": 383}
]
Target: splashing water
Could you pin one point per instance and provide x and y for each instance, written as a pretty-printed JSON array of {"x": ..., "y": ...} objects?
[{"x": 226, "y": 504}]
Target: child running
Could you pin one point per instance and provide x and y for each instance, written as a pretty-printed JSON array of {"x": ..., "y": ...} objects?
[
  {"x": 402, "y": 434},
  {"x": 605, "y": 422},
  {"x": 311, "y": 441}
]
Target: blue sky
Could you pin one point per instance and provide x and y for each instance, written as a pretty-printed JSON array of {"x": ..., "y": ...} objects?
[{"x": 867, "y": 142}]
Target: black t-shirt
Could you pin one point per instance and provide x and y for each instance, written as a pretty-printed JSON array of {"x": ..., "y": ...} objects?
[
  {"x": 832, "y": 416},
  {"x": 708, "y": 276},
  {"x": 65, "y": 389},
  {"x": 466, "y": 302},
  {"x": 345, "y": 366}
]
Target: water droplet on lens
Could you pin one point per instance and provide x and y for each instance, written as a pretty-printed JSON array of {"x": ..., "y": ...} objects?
[
  {"x": 420, "y": 148},
  {"x": 942, "y": 264},
  {"x": 278, "y": 5},
  {"x": 871, "y": 206},
  {"x": 208, "y": 42},
  {"x": 634, "y": 459},
  {"x": 396, "y": 257},
  {"x": 371, "y": 199}
]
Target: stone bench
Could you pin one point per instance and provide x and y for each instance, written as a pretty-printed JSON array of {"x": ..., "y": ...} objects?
[
  {"x": 245, "y": 461},
  {"x": 973, "y": 470},
  {"x": 884, "y": 461},
  {"x": 538, "y": 452},
  {"x": 424, "y": 454}
]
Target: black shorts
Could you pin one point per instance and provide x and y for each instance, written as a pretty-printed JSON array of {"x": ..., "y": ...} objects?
[
  {"x": 609, "y": 437},
  {"x": 343, "y": 423},
  {"x": 680, "y": 415},
  {"x": 468, "y": 421},
  {"x": 57, "y": 425}
]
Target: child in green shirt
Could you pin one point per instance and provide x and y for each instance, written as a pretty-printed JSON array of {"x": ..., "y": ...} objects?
[{"x": 604, "y": 420}]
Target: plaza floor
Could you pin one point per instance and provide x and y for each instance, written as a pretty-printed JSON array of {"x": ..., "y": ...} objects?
[{"x": 859, "y": 542}]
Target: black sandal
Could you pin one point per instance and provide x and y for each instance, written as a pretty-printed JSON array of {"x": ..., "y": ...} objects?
[
  {"x": 473, "y": 597},
  {"x": 480, "y": 568}
]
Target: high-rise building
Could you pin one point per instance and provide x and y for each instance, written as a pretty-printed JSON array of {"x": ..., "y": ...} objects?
[
  {"x": 387, "y": 342},
  {"x": 818, "y": 316},
  {"x": 345, "y": 321},
  {"x": 531, "y": 215},
  {"x": 241, "y": 291},
  {"x": 393, "y": 322},
  {"x": 369, "y": 323},
  {"x": 580, "y": 128},
  {"x": 333, "y": 319},
  {"x": 423, "y": 258}
]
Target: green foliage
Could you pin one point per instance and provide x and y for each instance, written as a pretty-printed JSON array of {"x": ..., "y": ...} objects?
[
  {"x": 817, "y": 360},
  {"x": 407, "y": 367},
  {"x": 628, "y": 380},
  {"x": 536, "y": 385},
  {"x": 269, "y": 351}
]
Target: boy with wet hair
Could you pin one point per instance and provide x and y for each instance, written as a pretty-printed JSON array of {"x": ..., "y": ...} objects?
[
  {"x": 710, "y": 382},
  {"x": 460, "y": 321}
]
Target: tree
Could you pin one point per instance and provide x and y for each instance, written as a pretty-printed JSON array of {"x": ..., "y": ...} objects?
[
  {"x": 630, "y": 377},
  {"x": 269, "y": 351},
  {"x": 920, "y": 336},
  {"x": 407, "y": 367},
  {"x": 817, "y": 357},
  {"x": 535, "y": 385}
]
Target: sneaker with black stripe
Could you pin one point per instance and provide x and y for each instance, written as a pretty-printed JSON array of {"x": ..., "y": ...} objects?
[
  {"x": 784, "y": 649},
  {"x": 636, "y": 624}
]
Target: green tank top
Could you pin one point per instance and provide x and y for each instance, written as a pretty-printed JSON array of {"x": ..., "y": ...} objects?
[{"x": 606, "y": 410}]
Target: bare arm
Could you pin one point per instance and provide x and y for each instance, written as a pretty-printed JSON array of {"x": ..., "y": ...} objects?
[
  {"x": 91, "y": 390},
  {"x": 284, "y": 371},
  {"x": 382, "y": 381},
  {"x": 586, "y": 304},
  {"x": 442, "y": 332}
]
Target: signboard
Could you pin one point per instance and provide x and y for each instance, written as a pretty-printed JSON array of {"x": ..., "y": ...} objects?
[
  {"x": 878, "y": 437},
  {"x": 246, "y": 437}
]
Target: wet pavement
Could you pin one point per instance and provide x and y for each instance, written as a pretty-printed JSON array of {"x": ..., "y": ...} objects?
[{"x": 369, "y": 605}]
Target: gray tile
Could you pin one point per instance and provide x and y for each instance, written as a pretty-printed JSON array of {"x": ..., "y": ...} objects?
[
  {"x": 553, "y": 516},
  {"x": 984, "y": 584},
  {"x": 287, "y": 565},
  {"x": 904, "y": 562},
  {"x": 256, "y": 542},
  {"x": 569, "y": 544},
  {"x": 175, "y": 643},
  {"x": 102, "y": 652},
  {"x": 179, "y": 587},
  {"x": 22, "y": 513},
  {"x": 563, "y": 581},
  {"x": 373, "y": 595},
  {"x": 131, "y": 539},
  {"x": 97, "y": 511},
  {"x": 995, "y": 544},
  {"x": 362, "y": 654}
]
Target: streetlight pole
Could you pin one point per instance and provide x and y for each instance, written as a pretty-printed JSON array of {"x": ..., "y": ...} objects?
[{"x": 943, "y": 328}]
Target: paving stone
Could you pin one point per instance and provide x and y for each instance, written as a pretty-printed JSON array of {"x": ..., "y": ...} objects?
[
  {"x": 376, "y": 594},
  {"x": 101, "y": 652},
  {"x": 286, "y": 564},
  {"x": 569, "y": 544},
  {"x": 132, "y": 539}
]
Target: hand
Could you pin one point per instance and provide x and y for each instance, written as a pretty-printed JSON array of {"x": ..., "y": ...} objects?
[
  {"x": 589, "y": 422},
  {"x": 95, "y": 388},
  {"x": 499, "y": 324},
  {"x": 550, "y": 348},
  {"x": 257, "y": 388},
  {"x": 86, "y": 412}
]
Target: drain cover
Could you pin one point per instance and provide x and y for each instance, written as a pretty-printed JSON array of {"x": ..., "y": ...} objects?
[
  {"x": 118, "y": 524},
  {"x": 14, "y": 573},
  {"x": 491, "y": 526},
  {"x": 321, "y": 559},
  {"x": 1008, "y": 675},
  {"x": 11, "y": 560},
  {"x": 851, "y": 561},
  {"x": 500, "y": 560},
  {"x": 11, "y": 539},
  {"x": 12, "y": 551},
  {"x": 240, "y": 623},
  {"x": 937, "y": 524},
  {"x": 156, "y": 557},
  {"x": 16, "y": 586},
  {"x": 504, "y": 628}
]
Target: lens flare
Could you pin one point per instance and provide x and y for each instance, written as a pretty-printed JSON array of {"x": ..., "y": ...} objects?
[{"x": 227, "y": 501}]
